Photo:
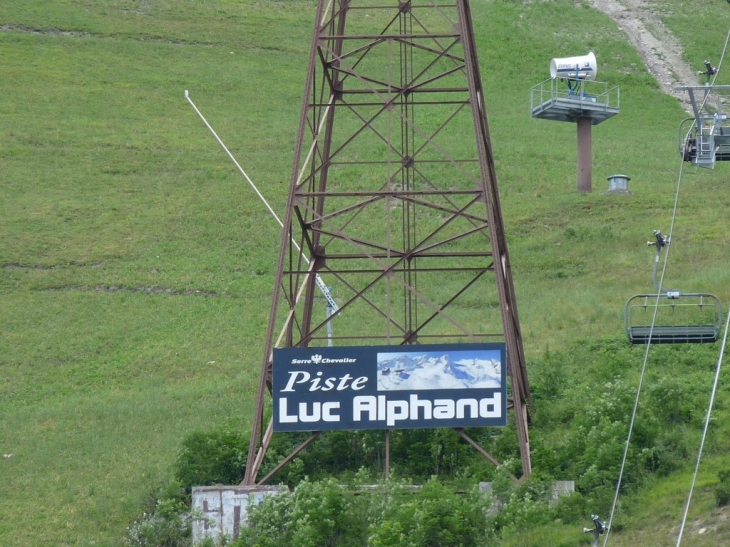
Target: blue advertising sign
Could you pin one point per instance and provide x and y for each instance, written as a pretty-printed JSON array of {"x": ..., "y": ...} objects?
[{"x": 389, "y": 387}]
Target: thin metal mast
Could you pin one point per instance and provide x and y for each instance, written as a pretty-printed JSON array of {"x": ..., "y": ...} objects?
[{"x": 394, "y": 196}]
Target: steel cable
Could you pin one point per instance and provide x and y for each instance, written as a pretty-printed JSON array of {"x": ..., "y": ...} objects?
[
  {"x": 704, "y": 432},
  {"x": 643, "y": 367},
  {"x": 648, "y": 345},
  {"x": 716, "y": 381}
]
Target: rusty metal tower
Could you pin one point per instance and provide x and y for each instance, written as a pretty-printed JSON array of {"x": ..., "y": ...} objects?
[{"x": 393, "y": 199}]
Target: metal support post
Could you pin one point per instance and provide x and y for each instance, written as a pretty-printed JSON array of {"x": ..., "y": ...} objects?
[{"x": 585, "y": 155}]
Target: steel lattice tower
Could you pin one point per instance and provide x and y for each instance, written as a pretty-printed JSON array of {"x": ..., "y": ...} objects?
[{"x": 393, "y": 198}]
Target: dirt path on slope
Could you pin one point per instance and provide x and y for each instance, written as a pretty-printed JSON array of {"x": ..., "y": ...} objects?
[{"x": 661, "y": 51}]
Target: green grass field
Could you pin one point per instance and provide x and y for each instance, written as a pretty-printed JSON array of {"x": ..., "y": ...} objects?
[{"x": 136, "y": 265}]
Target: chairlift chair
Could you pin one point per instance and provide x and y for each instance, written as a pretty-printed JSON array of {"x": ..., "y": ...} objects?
[
  {"x": 705, "y": 137},
  {"x": 690, "y": 318},
  {"x": 672, "y": 317}
]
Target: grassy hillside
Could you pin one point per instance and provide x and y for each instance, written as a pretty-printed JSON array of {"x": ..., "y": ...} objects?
[{"x": 136, "y": 265}]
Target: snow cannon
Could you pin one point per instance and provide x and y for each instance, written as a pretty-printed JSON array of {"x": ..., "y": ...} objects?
[
  {"x": 572, "y": 94},
  {"x": 582, "y": 67}
]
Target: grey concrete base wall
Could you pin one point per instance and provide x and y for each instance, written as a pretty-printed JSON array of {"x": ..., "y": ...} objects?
[{"x": 220, "y": 511}]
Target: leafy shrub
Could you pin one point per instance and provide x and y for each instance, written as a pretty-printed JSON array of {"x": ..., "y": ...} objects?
[
  {"x": 323, "y": 513},
  {"x": 212, "y": 457},
  {"x": 417, "y": 454},
  {"x": 169, "y": 525},
  {"x": 669, "y": 452},
  {"x": 316, "y": 514},
  {"x": 550, "y": 378},
  {"x": 421, "y": 453},
  {"x": 675, "y": 400},
  {"x": 722, "y": 490},
  {"x": 722, "y": 494},
  {"x": 434, "y": 517},
  {"x": 572, "y": 508},
  {"x": 523, "y": 513},
  {"x": 335, "y": 453},
  {"x": 521, "y": 506}
]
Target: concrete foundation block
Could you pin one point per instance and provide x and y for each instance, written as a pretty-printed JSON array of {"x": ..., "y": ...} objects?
[{"x": 221, "y": 511}]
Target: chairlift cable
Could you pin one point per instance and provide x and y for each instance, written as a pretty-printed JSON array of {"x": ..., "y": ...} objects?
[
  {"x": 719, "y": 65},
  {"x": 716, "y": 381},
  {"x": 643, "y": 366},
  {"x": 704, "y": 432},
  {"x": 648, "y": 345}
]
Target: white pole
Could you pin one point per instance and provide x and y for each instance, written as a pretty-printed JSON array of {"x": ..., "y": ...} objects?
[
  {"x": 320, "y": 284},
  {"x": 262, "y": 198}
]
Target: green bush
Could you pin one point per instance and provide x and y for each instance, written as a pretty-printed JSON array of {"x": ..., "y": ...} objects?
[
  {"x": 722, "y": 494},
  {"x": 572, "y": 508},
  {"x": 434, "y": 517},
  {"x": 169, "y": 525},
  {"x": 672, "y": 400},
  {"x": 669, "y": 452},
  {"x": 212, "y": 457},
  {"x": 316, "y": 514},
  {"x": 416, "y": 454},
  {"x": 326, "y": 514},
  {"x": 722, "y": 490}
]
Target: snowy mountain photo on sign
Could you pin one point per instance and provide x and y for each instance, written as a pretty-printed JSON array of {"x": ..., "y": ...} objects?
[{"x": 437, "y": 370}]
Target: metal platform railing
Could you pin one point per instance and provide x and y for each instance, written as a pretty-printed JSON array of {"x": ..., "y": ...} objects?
[{"x": 565, "y": 100}]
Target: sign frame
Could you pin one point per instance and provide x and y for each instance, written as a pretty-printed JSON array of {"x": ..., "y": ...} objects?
[{"x": 389, "y": 387}]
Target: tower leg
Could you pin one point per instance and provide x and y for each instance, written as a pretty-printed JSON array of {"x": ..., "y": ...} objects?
[
  {"x": 387, "y": 454},
  {"x": 585, "y": 155}
]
